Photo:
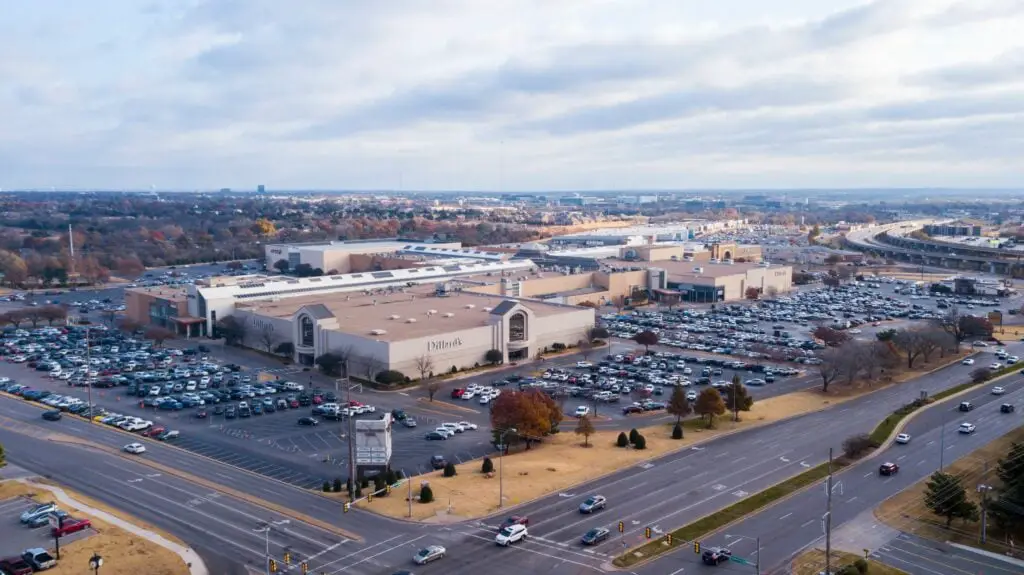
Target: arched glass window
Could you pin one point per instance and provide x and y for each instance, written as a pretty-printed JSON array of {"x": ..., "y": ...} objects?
[
  {"x": 306, "y": 331},
  {"x": 517, "y": 327}
]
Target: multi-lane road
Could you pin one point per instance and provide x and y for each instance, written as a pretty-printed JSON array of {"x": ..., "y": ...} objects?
[
  {"x": 662, "y": 494},
  {"x": 795, "y": 524}
]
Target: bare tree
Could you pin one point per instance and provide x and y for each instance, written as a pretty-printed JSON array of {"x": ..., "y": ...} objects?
[
  {"x": 267, "y": 339},
  {"x": 425, "y": 365},
  {"x": 908, "y": 341},
  {"x": 830, "y": 368},
  {"x": 930, "y": 341},
  {"x": 951, "y": 324},
  {"x": 432, "y": 388},
  {"x": 345, "y": 356},
  {"x": 586, "y": 348},
  {"x": 371, "y": 365},
  {"x": 852, "y": 358},
  {"x": 881, "y": 359},
  {"x": 770, "y": 292}
]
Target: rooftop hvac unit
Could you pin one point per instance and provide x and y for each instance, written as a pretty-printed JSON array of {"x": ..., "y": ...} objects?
[
  {"x": 449, "y": 314},
  {"x": 470, "y": 306},
  {"x": 411, "y": 320},
  {"x": 431, "y": 311},
  {"x": 378, "y": 332},
  {"x": 698, "y": 270},
  {"x": 394, "y": 317},
  {"x": 488, "y": 309}
]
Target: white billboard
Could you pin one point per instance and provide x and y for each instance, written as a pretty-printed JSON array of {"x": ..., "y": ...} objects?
[{"x": 373, "y": 441}]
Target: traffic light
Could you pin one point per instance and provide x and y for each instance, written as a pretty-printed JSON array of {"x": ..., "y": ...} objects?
[
  {"x": 287, "y": 558},
  {"x": 346, "y": 506},
  {"x": 647, "y": 532},
  {"x": 369, "y": 496},
  {"x": 273, "y": 566},
  {"x": 668, "y": 538},
  {"x": 622, "y": 526},
  {"x": 305, "y": 567},
  {"x": 696, "y": 547},
  {"x": 387, "y": 489}
]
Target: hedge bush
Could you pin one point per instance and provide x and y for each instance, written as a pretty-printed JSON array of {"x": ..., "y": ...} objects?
[
  {"x": 640, "y": 443},
  {"x": 449, "y": 469},
  {"x": 677, "y": 431},
  {"x": 390, "y": 377},
  {"x": 426, "y": 494},
  {"x": 488, "y": 466},
  {"x": 622, "y": 441}
]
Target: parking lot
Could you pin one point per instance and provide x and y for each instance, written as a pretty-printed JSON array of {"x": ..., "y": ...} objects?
[
  {"x": 16, "y": 536},
  {"x": 151, "y": 391}
]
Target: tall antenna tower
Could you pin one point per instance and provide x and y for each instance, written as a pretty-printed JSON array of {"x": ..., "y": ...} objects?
[{"x": 71, "y": 249}]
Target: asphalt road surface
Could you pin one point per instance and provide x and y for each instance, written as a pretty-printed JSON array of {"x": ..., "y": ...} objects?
[
  {"x": 795, "y": 524},
  {"x": 919, "y": 556},
  {"x": 669, "y": 492}
]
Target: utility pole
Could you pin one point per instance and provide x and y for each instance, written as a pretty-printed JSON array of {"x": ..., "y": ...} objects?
[
  {"x": 408, "y": 481},
  {"x": 983, "y": 489},
  {"x": 828, "y": 518},
  {"x": 942, "y": 443},
  {"x": 351, "y": 437}
]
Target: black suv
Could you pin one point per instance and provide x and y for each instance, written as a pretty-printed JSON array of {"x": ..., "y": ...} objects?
[
  {"x": 1007, "y": 408},
  {"x": 438, "y": 462},
  {"x": 715, "y": 556},
  {"x": 966, "y": 406}
]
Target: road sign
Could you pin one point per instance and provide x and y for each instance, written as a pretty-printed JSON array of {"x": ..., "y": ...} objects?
[
  {"x": 741, "y": 561},
  {"x": 622, "y": 526}
]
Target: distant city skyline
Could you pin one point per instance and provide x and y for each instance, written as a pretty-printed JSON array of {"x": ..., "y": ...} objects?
[{"x": 518, "y": 96}]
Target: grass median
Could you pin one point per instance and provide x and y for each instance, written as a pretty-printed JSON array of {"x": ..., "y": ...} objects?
[{"x": 711, "y": 523}]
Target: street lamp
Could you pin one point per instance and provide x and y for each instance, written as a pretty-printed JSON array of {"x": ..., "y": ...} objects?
[
  {"x": 757, "y": 551},
  {"x": 95, "y": 562},
  {"x": 265, "y": 528},
  {"x": 501, "y": 465}
]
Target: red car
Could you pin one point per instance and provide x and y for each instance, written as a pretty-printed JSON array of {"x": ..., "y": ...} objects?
[
  {"x": 514, "y": 520},
  {"x": 15, "y": 566},
  {"x": 71, "y": 525},
  {"x": 153, "y": 431},
  {"x": 457, "y": 392}
]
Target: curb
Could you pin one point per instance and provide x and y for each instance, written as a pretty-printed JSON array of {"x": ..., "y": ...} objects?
[
  {"x": 874, "y": 453},
  {"x": 195, "y": 563},
  {"x": 444, "y": 405}
]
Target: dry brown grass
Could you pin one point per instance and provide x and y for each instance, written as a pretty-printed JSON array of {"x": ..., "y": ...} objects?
[
  {"x": 813, "y": 562},
  {"x": 561, "y": 462},
  {"x": 906, "y": 510},
  {"x": 122, "y": 552}
]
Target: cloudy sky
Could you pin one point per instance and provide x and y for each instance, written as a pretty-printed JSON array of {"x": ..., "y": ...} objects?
[{"x": 511, "y": 94}]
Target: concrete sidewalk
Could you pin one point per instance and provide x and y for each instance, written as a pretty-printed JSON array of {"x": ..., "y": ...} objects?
[{"x": 190, "y": 557}]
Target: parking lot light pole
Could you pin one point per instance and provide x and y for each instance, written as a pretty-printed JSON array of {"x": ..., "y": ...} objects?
[{"x": 501, "y": 466}]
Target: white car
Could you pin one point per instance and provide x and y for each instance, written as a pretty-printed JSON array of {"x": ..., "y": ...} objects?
[
  {"x": 511, "y": 534},
  {"x": 468, "y": 426},
  {"x": 1012, "y": 359},
  {"x": 998, "y": 390},
  {"x": 967, "y": 428},
  {"x": 968, "y": 361},
  {"x": 582, "y": 410},
  {"x": 584, "y": 364},
  {"x": 691, "y": 396},
  {"x": 995, "y": 366},
  {"x": 135, "y": 448},
  {"x": 446, "y": 432},
  {"x": 428, "y": 554},
  {"x": 903, "y": 438},
  {"x": 453, "y": 427}
]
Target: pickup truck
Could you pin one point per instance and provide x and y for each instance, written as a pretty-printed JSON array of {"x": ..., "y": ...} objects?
[{"x": 39, "y": 559}]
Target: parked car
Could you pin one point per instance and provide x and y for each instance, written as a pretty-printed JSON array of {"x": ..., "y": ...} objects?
[
  {"x": 39, "y": 559},
  {"x": 438, "y": 462},
  {"x": 69, "y": 526},
  {"x": 41, "y": 509},
  {"x": 15, "y": 566}
]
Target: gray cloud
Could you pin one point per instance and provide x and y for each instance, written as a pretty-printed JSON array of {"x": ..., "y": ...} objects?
[
  {"x": 774, "y": 93},
  {"x": 1007, "y": 69}
]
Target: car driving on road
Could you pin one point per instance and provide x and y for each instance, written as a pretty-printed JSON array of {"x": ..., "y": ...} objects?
[
  {"x": 428, "y": 554},
  {"x": 903, "y": 438},
  {"x": 967, "y": 428},
  {"x": 715, "y": 556},
  {"x": 511, "y": 534},
  {"x": 595, "y": 536},
  {"x": 888, "y": 468},
  {"x": 593, "y": 503}
]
